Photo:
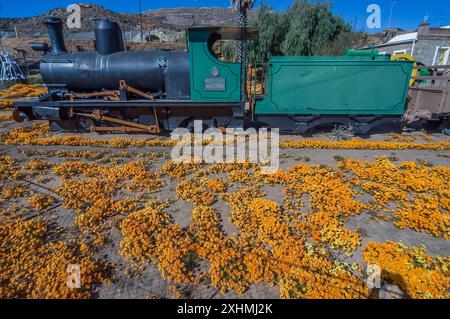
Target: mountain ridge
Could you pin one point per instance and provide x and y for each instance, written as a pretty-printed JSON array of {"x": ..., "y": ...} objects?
[{"x": 170, "y": 18}]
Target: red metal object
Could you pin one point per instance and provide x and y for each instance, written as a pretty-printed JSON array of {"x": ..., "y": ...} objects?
[{"x": 429, "y": 96}]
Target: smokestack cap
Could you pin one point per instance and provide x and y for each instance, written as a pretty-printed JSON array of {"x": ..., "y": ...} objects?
[{"x": 52, "y": 20}]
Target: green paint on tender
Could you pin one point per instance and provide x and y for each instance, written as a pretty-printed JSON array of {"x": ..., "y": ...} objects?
[
  {"x": 201, "y": 64},
  {"x": 356, "y": 84}
]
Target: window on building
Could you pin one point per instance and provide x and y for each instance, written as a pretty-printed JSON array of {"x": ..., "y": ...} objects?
[
  {"x": 403, "y": 51},
  {"x": 441, "y": 56}
]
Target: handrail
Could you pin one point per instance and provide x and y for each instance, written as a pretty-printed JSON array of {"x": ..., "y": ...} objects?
[{"x": 424, "y": 67}]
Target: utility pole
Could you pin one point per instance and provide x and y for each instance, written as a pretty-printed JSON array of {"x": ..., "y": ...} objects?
[
  {"x": 140, "y": 20},
  {"x": 242, "y": 6},
  {"x": 390, "y": 14},
  {"x": 0, "y": 30}
]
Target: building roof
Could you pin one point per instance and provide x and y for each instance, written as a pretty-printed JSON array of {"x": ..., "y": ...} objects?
[
  {"x": 230, "y": 33},
  {"x": 408, "y": 37},
  {"x": 403, "y": 38}
]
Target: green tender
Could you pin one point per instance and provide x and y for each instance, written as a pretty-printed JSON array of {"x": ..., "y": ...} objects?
[{"x": 354, "y": 84}]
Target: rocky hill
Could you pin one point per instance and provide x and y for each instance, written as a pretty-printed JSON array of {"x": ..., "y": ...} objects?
[
  {"x": 172, "y": 19},
  {"x": 185, "y": 17}
]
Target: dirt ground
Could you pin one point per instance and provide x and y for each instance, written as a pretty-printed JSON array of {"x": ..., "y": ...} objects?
[{"x": 149, "y": 282}]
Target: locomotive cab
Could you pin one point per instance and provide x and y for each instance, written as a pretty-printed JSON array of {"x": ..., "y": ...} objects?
[{"x": 212, "y": 79}]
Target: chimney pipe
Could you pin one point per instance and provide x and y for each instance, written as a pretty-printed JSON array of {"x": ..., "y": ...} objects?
[
  {"x": 423, "y": 28},
  {"x": 55, "y": 32}
]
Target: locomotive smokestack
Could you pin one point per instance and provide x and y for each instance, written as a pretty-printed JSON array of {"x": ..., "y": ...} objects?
[
  {"x": 108, "y": 37},
  {"x": 55, "y": 32}
]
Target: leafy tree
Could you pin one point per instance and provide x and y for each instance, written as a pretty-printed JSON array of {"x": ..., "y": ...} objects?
[
  {"x": 272, "y": 32},
  {"x": 337, "y": 46},
  {"x": 305, "y": 29},
  {"x": 314, "y": 30}
]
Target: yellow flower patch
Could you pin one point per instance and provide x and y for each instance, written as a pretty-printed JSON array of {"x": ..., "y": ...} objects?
[
  {"x": 316, "y": 277},
  {"x": 418, "y": 274},
  {"x": 240, "y": 176},
  {"x": 140, "y": 229},
  {"x": 23, "y": 90},
  {"x": 216, "y": 185},
  {"x": 176, "y": 254},
  {"x": 194, "y": 194},
  {"x": 41, "y": 201},
  {"x": 421, "y": 193},
  {"x": 359, "y": 144},
  {"x": 5, "y": 117},
  {"x": 7, "y": 97},
  {"x": 9, "y": 169},
  {"x": 35, "y": 135},
  {"x": 37, "y": 164},
  {"x": 31, "y": 267},
  {"x": 179, "y": 170},
  {"x": 93, "y": 155},
  {"x": 6, "y": 103}
]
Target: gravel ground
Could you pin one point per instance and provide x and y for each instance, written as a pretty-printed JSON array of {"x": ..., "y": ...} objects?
[{"x": 150, "y": 282}]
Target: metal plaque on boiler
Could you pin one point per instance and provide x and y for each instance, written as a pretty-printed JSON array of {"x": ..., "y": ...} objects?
[{"x": 215, "y": 84}]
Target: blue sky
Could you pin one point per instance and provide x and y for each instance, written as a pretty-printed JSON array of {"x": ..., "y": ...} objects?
[{"x": 406, "y": 14}]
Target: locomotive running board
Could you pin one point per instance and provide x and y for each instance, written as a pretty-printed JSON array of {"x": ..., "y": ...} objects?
[{"x": 121, "y": 104}]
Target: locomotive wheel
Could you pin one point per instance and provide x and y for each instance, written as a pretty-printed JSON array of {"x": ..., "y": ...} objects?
[
  {"x": 71, "y": 126},
  {"x": 437, "y": 126},
  {"x": 206, "y": 124}
]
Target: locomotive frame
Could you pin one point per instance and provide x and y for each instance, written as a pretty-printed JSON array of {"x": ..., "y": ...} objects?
[{"x": 159, "y": 91}]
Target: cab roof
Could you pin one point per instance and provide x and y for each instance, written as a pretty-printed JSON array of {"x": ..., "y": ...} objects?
[{"x": 229, "y": 33}]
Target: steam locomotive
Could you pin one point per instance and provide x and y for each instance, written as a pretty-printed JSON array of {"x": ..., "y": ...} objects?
[{"x": 155, "y": 91}]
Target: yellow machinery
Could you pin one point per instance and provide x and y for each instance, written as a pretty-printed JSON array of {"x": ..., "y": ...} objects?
[{"x": 407, "y": 57}]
